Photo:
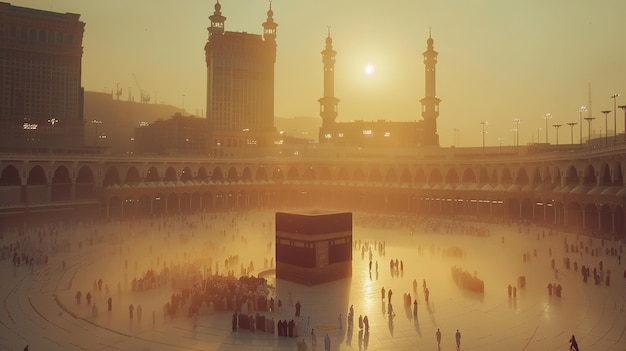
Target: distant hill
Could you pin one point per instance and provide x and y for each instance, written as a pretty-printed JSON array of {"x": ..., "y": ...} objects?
[{"x": 119, "y": 120}]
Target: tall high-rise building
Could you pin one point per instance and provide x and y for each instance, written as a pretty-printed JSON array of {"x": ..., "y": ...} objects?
[
  {"x": 41, "y": 98},
  {"x": 240, "y": 86}
]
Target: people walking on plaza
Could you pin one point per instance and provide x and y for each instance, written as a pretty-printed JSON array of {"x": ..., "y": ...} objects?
[
  {"x": 457, "y": 337},
  {"x": 366, "y": 324},
  {"x": 573, "y": 344},
  {"x": 415, "y": 308},
  {"x": 109, "y": 302},
  {"x": 298, "y": 306},
  {"x": 77, "y": 296},
  {"x": 382, "y": 292},
  {"x": 327, "y": 342},
  {"x": 438, "y": 336},
  {"x": 131, "y": 308},
  {"x": 313, "y": 339},
  {"x": 88, "y": 297}
]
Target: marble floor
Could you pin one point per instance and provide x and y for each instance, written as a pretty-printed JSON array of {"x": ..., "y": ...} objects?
[{"x": 39, "y": 308}]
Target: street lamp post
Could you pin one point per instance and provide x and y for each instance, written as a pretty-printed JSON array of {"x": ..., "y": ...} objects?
[
  {"x": 52, "y": 121},
  {"x": 589, "y": 120},
  {"x": 516, "y": 140},
  {"x": 547, "y": 117},
  {"x": 614, "y": 97},
  {"x": 571, "y": 125},
  {"x": 484, "y": 123},
  {"x": 581, "y": 109},
  {"x": 557, "y": 126},
  {"x": 623, "y": 107},
  {"x": 606, "y": 128},
  {"x": 96, "y": 122}
]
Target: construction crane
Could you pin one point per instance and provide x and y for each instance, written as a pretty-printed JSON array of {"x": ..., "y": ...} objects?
[{"x": 145, "y": 97}]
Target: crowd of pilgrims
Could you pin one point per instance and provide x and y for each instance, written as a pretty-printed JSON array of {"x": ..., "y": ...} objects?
[{"x": 32, "y": 244}]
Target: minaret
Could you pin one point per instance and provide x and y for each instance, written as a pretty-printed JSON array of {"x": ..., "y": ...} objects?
[
  {"x": 217, "y": 21},
  {"x": 269, "y": 29},
  {"x": 328, "y": 103},
  {"x": 430, "y": 102}
]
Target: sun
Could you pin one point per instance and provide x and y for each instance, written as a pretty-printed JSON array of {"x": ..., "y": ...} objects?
[{"x": 369, "y": 69}]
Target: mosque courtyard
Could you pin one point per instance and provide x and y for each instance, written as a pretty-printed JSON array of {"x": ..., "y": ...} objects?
[{"x": 41, "y": 311}]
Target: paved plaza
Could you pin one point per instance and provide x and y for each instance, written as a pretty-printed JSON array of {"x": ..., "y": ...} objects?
[{"x": 40, "y": 310}]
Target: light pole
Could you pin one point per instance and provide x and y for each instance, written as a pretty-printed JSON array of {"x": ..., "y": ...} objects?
[
  {"x": 571, "y": 125},
  {"x": 623, "y": 107},
  {"x": 96, "y": 122},
  {"x": 52, "y": 121},
  {"x": 589, "y": 120},
  {"x": 500, "y": 141},
  {"x": 516, "y": 139},
  {"x": 183, "y": 104},
  {"x": 557, "y": 126},
  {"x": 606, "y": 126},
  {"x": 581, "y": 109},
  {"x": 484, "y": 123},
  {"x": 614, "y": 97},
  {"x": 547, "y": 117}
]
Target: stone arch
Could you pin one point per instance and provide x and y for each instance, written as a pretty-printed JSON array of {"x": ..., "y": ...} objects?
[
  {"x": 325, "y": 175},
  {"x": 420, "y": 176},
  {"x": 589, "y": 178},
  {"x": 111, "y": 177},
  {"x": 556, "y": 179},
  {"x": 343, "y": 175},
  {"x": 203, "y": 175},
  {"x": 261, "y": 175},
  {"x": 170, "y": 175},
  {"x": 506, "y": 178},
  {"x": 10, "y": 176},
  {"x": 522, "y": 177},
  {"x": 405, "y": 176},
  {"x": 232, "y": 175},
  {"x": 309, "y": 174},
  {"x": 483, "y": 176},
  {"x": 435, "y": 177},
  {"x": 85, "y": 183},
  {"x": 61, "y": 185},
  {"x": 186, "y": 174},
  {"x": 605, "y": 175},
  {"x": 132, "y": 176},
  {"x": 536, "y": 177},
  {"x": 277, "y": 175},
  {"x": 152, "y": 175},
  {"x": 468, "y": 176},
  {"x": 246, "y": 175},
  {"x": 375, "y": 176},
  {"x": 391, "y": 177},
  {"x": 452, "y": 176},
  {"x": 618, "y": 176},
  {"x": 571, "y": 177},
  {"x": 293, "y": 174},
  {"x": 217, "y": 175}
]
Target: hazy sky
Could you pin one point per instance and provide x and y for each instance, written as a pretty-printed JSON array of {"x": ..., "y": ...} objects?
[{"x": 498, "y": 59}]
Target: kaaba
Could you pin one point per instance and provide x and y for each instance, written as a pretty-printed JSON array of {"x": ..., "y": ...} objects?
[{"x": 313, "y": 246}]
